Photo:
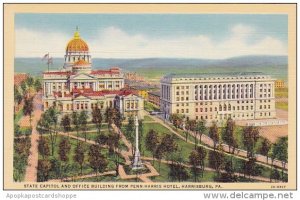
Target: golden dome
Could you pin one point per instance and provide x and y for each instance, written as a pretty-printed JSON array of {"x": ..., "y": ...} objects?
[
  {"x": 81, "y": 63},
  {"x": 77, "y": 44}
]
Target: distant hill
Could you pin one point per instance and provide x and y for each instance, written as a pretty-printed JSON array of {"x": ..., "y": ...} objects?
[{"x": 154, "y": 68}]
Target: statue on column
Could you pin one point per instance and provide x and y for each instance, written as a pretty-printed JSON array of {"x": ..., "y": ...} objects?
[{"x": 137, "y": 162}]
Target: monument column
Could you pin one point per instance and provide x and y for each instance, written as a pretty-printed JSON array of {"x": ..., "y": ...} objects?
[{"x": 137, "y": 163}]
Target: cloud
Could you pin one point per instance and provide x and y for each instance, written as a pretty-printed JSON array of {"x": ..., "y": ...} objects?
[
  {"x": 113, "y": 42},
  {"x": 31, "y": 43}
]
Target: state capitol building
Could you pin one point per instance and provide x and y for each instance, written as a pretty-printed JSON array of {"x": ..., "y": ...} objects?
[{"x": 77, "y": 87}]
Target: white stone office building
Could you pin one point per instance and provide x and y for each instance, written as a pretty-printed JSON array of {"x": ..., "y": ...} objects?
[{"x": 217, "y": 97}]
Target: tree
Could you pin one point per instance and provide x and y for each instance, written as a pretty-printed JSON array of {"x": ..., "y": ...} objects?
[
  {"x": 168, "y": 143},
  {"x": 48, "y": 124},
  {"x": 229, "y": 175},
  {"x": 75, "y": 121},
  {"x": 151, "y": 142},
  {"x": 201, "y": 128},
  {"x": 249, "y": 167},
  {"x": 83, "y": 122},
  {"x": 52, "y": 119},
  {"x": 113, "y": 141},
  {"x": 177, "y": 120},
  {"x": 159, "y": 153},
  {"x": 275, "y": 175},
  {"x": 192, "y": 125},
  {"x": 202, "y": 155},
  {"x": 37, "y": 85},
  {"x": 64, "y": 150},
  {"x": 97, "y": 118},
  {"x": 216, "y": 161},
  {"x": 43, "y": 168},
  {"x": 66, "y": 123},
  {"x": 24, "y": 89},
  {"x": 43, "y": 126},
  {"x": 213, "y": 134},
  {"x": 17, "y": 96},
  {"x": 250, "y": 137},
  {"x": 102, "y": 139},
  {"x": 228, "y": 134},
  {"x": 96, "y": 160},
  {"x": 110, "y": 115},
  {"x": 130, "y": 131},
  {"x": 177, "y": 170},
  {"x": 141, "y": 132},
  {"x": 79, "y": 155},
  {"x": 265, "y": 148},
  {"x": 118, "y": 118},
  {"x": 194, "y": 160},
  {"x": 29, "y": 81},
  {"x": 43, "y": 147},
  {"x": 28, "y": 108},
  {"x": 281, "y": 152}
]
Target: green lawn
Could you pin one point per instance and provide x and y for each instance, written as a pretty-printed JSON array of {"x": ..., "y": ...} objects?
[
  {"x": 147, "y": 118},
  {"x": 150, "y": 107},
  {"x": 90, "y": 126}
]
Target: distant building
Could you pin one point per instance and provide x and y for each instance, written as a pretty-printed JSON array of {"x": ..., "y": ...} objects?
[
  {"x": 279, "y": 84},
  {"x": 154, "y": 97},
  {"x": 217, "y": 97},
  {"x": 141, "y": 91},
  {"x": 133, "y": 76},
  {"x": 77, "y": 87}
]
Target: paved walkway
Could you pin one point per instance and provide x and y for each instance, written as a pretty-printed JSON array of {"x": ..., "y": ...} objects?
[{"x": 31, "y": 170}]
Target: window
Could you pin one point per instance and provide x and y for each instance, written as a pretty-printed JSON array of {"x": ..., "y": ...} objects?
[{"x": 196, "y": 109}]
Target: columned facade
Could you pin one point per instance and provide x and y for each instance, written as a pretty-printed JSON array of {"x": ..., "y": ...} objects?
[{"x": 239, "y": 96}]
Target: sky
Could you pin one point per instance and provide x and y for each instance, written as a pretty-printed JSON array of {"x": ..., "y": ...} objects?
[{"x": 203, "y": 36}]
